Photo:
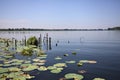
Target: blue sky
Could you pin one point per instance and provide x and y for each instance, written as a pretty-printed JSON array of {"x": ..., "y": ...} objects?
[{"x": 59, "y": 13}]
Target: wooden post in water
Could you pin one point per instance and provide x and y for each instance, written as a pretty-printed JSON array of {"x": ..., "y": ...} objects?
[
  {"x": 50, "y": 43},
  {"x": 15, "y": 44},
  {"x": 47, "y": 40},
  {"x": 25, "y": 41},
  {"x": 40, "y": 41}
]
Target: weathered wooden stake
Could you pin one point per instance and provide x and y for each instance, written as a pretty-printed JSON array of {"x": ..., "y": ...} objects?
[{"x": 50, "y": 43}]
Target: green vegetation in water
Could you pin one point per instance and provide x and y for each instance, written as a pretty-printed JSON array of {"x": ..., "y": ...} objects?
[
  {"x": 70, "y": 62},
  {"x": 74, "y": 53},
  {"x": 42, "y": 68},
  {"x": 73, "y": 76},
  {"x": 66, "y": 55},
  {"x": 98, "y": 79},
  {"x": 79, "y": 64},
  {"x": 32, "y": 41},
  {"x": 58, "y": 58},
  {"x": 27, "y": 51}
]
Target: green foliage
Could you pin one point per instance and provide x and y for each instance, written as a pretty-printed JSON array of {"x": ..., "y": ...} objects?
[
  {"x": 27, "y": 51},
  {"x": 32, "y": 41}
]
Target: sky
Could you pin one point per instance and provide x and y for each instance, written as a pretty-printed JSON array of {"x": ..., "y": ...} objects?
[{"x": 59, "y": 14}]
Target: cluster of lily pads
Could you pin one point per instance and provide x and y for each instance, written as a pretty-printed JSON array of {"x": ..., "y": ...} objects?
[{"x": 17, "y": 69}]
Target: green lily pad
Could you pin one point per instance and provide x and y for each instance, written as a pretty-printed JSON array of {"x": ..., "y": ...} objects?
[
  {"x": 1, "y": 64},
  {"x": 60, "y": 65},
  {"x": 39, "y": 64},
  {"x": 51, "y": 67},
  {"x": 36, "y": 60},
  {"x": 27, "y": 61},
  {"x": 30, "y": 68},
  {"x": 74, "y": 53},
  {"x": 66, "y": 55},
  {"x": 58, "y": 58},
  {"x": 3, "y": 70},
  {"x": 98, "y": 79},
  {"x": 73, "y": 76},
  {"x": 25, "y": 65},
  {"x": 55, "y": 71},
  {"x": 42, "y": 68},
  {"x": 4, "y": 75},
  {"x": 19, "y": 78},
  {"x": 6, "y": 65},
  {"x": 17, "y": 63},
  {"x": 7, "y": 57},
  {"x": 71, "y": 62},
  {"x": 13, "y": 69},
  {"x": 79, "y": 64},
  {"x": 88, "y": 61}
]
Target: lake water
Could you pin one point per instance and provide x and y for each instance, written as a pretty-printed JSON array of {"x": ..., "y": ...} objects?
[{"x": 101, "y": 46}]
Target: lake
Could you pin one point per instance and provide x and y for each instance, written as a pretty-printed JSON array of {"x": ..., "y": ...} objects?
[{"x": 100, "y": 46}]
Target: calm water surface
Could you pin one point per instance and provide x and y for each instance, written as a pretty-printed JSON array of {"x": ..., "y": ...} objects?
[{"x": 102, "y": 46}]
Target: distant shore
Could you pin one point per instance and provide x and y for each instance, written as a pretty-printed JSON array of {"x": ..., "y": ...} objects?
[{"x": 30, "y": 29}]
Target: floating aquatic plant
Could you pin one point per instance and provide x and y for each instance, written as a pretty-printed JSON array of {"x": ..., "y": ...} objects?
[
  {"x": 73, "y": 76},
  {"x": 36, "y": 60},
  {"x": 30, "y": 68},
  {"x": 51, "y": 67},
  {"x": 60, "y": 65},
  {"x": 7, "y": 57},
  {"x": 39, "y": 64},
  {"x": 74, "y": 53},
  {"x": 3, "y": 70},
  {"x": 6, "y": 65},
  {"x": 58, "y": 58},
  {"x": 66, "y": 55},
  {"x": 79, "y": 64},
  {"x": 27, "y": 51},
  {"x": 98, "y": 79},
  {"x": 55, "y": 71},
  {"x": 17, "y": 63},
  {"x": 71, "y": 62},
  {"x": 42, "y": 68},
  {"x": 25, "y": 65},
  {"x": 88, "y": 61},
  {"x": 32, "y": 41},
  {"x": 13, "y": 69},
  {"x": 81, "y": 71}
]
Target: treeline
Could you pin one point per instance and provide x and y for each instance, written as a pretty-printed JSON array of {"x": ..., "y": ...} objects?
[
  {"x": 114, "y": 28},
  {"x": 29, "y": 29}
]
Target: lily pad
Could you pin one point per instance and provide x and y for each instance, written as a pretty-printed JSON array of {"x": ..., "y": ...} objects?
[
  {"x": 42, "y": 68},
  {"x": 51, "y": 67},
  {"x": 4, "y": 75},
  {"x": 19, "y": 78},
  {"x": 79, "y": 64},
  {"x": 66, "y": 55},
  {"x": 7, "y": 57},
  {"x": 88, "y": 61},
  {"x": 39, "y": 64},
  {"x": 3, "y": 70},
  {"x": 74, "y": 76},
  {"x": 6, "y": 65},
  {"x": 36, "y": 60},
  {"x": 17, "y": 63},
  {"x": 98, "y": 79},
  {"x": 71, "y": 62},
  {"x": 60, "y": 65},
  {"x": 30, "y": 68},
  {"x": 25, "y": 65},
  {"x": 13, "y": 69},
  {"x": 55, "y": 71},
  {"x": 74, "y": 53},
  {"x": 58, "y": 58}
]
